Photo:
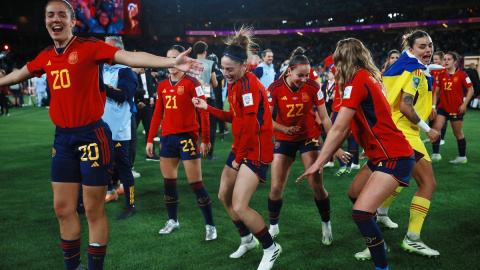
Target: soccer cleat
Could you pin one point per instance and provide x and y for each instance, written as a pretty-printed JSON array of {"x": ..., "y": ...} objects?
[
  {"x": 355, "y": 166},
  {"x": 327, "y": 236},
  {"x": 135, "y": 174},
  {"x": 341, "y": 171},
  {"x": 154, "y": 158},
  {"x": 81, "y": 267},
  {"x": 269, "y": 256},
  {"x": 111, "y": 196},
  {"x": 386, "y": 222},
  {"x": 459, "y": 160},
  {"x": 426, "y": 140},
  {"x": 442, "y": 142},
  {"x": 211, "y": 158},
  {"x": 329, "y": 164},
  {"x": 365, "y": 255},
  {"x": 274, "y": 230},
  {"x": 435, "y": 158},
  {"x": 417, "y": 246},
  {"x": 248, "y": 243},
  {"x": 127, "y": 212},
  {"x": 156, "y": 139},
  {"x": 211, "y": 233},
  {"x": 170, "y": 226}
]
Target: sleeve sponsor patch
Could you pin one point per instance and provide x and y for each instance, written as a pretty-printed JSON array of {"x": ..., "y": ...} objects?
[
  {"x": 415, "y": 81},
  {"x": 319, "y": 94},
  {"x": 347, "y": 92},
  {"x": 269, "y": 95},
  {"x": 247, "y": 99},
  {"x": 468, "y": 80},
  {"x": 199, "y": 91}
]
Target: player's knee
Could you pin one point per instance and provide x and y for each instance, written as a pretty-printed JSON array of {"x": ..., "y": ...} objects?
[
  {"x": 63, "y": 211},
  {"x": 239, "y": 210}
]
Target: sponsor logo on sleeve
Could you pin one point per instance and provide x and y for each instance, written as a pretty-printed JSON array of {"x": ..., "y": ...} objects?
[
  {"x": 199, "y": 91},
  {"x": 347, "y": 92},
  {"x": 247, "y": 99}
]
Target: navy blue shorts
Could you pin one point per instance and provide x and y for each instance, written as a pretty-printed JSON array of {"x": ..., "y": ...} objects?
[
  {"x": 259, "y": 168},
  {"x": 182, "y": 146},
  {"x": 450, "y": 116},
  {"x": 290, "y": 149},
  {"x": 83, "y": 155},
  {"x": 400, "y": 169}
]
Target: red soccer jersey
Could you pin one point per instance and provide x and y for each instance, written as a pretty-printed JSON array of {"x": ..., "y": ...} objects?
[
  {"x": 295, "y": 108},
  {"x": 73, "y": 77},
  {"x": 313, "y": 74},
  {"x": 435, "y": 74},
  {"x": 372, "y": 125},
  {"x": 451, "y": 90},
  {"x": 174, "y": 106}
]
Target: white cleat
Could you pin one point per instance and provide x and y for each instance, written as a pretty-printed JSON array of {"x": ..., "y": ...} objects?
[
  {"x": 435, "y": 158},
  {"x": 459, "y": 160},
  {"x": 170, "y": 226},
  {"x": 417, "y": 246},
  {"x": 329, "y": 164},
  {"x": 248, "y": 243},
  {"x": 269, "y": 256},
  {"x": 386, "y": 222},
  {"x": 274, "y": 230},
  {"x": 365, "y": 255},
  {"x": 355, "y": 166},
  {"x": 211, "y": 233},
  {"x": 442, "y": 142},
  {"x": 327, "y": 236}
]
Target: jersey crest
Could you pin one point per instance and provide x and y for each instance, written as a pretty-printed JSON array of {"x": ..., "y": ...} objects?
[
  {"x": 181, "y": 90},
  {"x": 73, "y": 58},
  {"x": 305, "y": 97}
]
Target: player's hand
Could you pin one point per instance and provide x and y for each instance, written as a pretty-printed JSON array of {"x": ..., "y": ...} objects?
[
  {"x": 344, "y": 156},
  {"x": 433, "y": 114},
  {"x": 199, "y": 103},
  {"x": 462, "y": 109},
  {"x": 149, "y": 149},
  {"x": 140, "y": 105},
  {"x": 187, "y": 64},
  {"x": 291, "y": 130},
  {"x": 205, "y": 148},
  {"x": 235, "y": 165},
  {"x": 433, "y": 135},
  {"x": 317, "y": 167}
]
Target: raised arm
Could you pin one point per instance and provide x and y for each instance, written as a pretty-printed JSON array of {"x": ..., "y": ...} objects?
[{"x": 17, "y": 76}]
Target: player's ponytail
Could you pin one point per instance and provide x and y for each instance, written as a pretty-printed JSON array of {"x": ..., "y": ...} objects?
[
  {"x": 408, "y": 40},
  {"x": 297, "y": 58},
  {"x": 239, "y": 45}
]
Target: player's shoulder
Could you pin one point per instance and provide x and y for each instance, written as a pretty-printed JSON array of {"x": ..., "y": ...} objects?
[
  {"x": 87, "y": 40},
  {"x": 277, "y": 84},
  {"x": 312, "y": 83},
  {"x": 191, "y": 79}
]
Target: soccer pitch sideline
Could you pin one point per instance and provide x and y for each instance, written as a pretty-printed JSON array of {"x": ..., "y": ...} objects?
[{"x": 29, "y": 236}]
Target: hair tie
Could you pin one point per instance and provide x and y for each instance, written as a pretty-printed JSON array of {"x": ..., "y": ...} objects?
[
  {"x": 234, "y": 57},
  {"x": 299, "y": 65}
]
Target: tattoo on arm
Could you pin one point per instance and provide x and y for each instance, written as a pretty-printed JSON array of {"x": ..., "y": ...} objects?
[{"x": 413, "y": 117}]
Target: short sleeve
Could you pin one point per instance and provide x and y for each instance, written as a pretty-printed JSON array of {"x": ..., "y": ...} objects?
[
  {"x": 467, "y": 82},
  {"x": 197, "y": 86},
  {"x": 354, "y": 94},
  {"x": 319, "y": 98},
  {"x": 104, "y": 52},
  {"x": 35, "y": 67},
  {"x": 412, "y": 82}
]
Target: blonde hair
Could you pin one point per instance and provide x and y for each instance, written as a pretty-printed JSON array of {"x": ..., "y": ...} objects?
[
  {"x": 239, "y": 46},
  {"x": 349, "y": 56}
]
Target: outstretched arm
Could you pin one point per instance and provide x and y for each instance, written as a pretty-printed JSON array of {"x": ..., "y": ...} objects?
[{"x": 17, "y": 76}]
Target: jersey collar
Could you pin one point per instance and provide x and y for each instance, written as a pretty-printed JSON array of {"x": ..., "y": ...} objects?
[
  {"x": 172, "y": 83},
  {"x": 59, "y": 50}
]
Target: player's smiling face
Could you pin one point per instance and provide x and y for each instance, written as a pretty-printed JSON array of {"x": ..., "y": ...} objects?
[
  {"x": 437, "y": 60},
  {"x": 298, "y": 76},
  {"x": 232, "y": 70},
  {"x": 173, "y": 54},
  {"x": 423, "y": 49},
  {"x": 59, "y": 23}
]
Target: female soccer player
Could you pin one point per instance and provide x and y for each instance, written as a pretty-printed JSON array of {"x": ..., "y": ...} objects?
[
  {"x": 365, "y": 112},
  {"x": 410, "y": 100},
  {"x": 179, "y": 141},
  {"x": 295, "y": 128},
  {"x": 82, "y": 149},
  {"x": 252, "y": 148},
  {"x": 452, "y": 105},
  {"x": 391, "y": 58}
]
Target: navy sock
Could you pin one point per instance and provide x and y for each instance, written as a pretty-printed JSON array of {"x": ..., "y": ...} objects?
[
  {"x": 204, "y": 202},
  {"x": 71, "y": 253},
  {"x": 372, "y": 236},
  {"x": 171, "y": 197},
  {"x": 462, "y": 147},
  {"x": 444, "y": 130},
  {"x": 96, "y": 255},
  {"x": 242, "y": 229},
  {"x": 274, "y": 208},
  {"x": 352, "y": 149},
  {"x": 264, "y": 237},
  {"x": 436, "y": 146},
  {"x": 323, "y": 207}
]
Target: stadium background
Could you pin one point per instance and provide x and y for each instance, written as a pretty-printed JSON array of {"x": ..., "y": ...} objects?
[{"x": 28, "y": 226}]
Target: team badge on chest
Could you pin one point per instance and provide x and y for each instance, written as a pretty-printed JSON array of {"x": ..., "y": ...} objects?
[
  {"x": 455, "y": 79},
  {"x": 73, "y": 58},
  {"x": 180, "y": 90},
  {"x": 305, "y": 97}
]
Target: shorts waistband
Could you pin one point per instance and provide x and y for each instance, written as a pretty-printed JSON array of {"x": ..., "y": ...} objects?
[{"x": 80, "y": 129}]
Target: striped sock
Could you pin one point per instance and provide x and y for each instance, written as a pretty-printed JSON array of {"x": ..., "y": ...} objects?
[
  {"x": 203, "y": 201},
  {"x": 171, "y": 197},
  {"x": 71, "y": 253},
  {"x": 372, "y": 236},
  {"x": 383, "y": 210},
  {"x": 418, "y": 211},
  {"x": 274, "y": 208},
  {"x": 264, "y": 237},
  {"x": 96, "y": 255},
  {"x": 242, "y": 229},
  {"x": 323, "y": 207}
]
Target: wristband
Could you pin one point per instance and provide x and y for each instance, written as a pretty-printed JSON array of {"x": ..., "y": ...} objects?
[
  {"x": 423, "y": 126},
  {"x": 433, "y": 106}
]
